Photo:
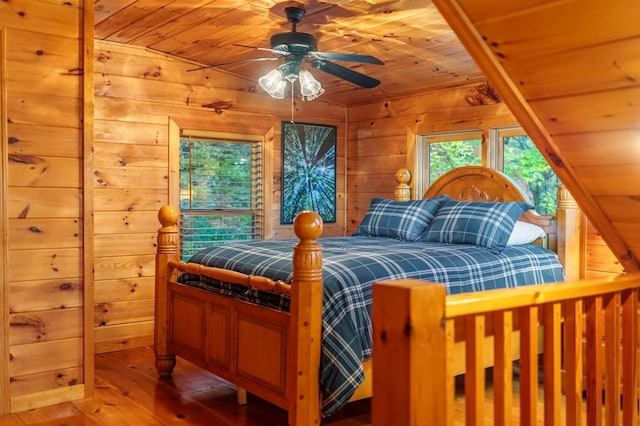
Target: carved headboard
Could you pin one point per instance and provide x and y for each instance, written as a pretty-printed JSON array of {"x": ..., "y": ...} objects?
[{"x": 476, "y": 183}]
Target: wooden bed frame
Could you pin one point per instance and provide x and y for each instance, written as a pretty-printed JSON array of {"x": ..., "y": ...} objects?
[{"x": 223, "y": 335}]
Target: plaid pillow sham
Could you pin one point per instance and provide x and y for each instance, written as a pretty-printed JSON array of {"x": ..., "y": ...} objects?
[
  {"x": 402, "y": 220},
  {"x": 484, "y": 224}
]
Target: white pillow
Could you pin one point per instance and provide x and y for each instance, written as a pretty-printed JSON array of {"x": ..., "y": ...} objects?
[{"x": 525, "y": 233}]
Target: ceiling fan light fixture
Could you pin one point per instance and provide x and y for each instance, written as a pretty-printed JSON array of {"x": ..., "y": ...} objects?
[
  {"x": 315, "y": 95},
  {"x": 309, "y": 86},
  {"x": 273, "y": 83}
]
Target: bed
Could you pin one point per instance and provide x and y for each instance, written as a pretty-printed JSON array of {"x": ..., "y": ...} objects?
[{"x": 223, "y": 334}]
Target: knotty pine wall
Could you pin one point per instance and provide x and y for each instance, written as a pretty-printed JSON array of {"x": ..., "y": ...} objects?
[
  {"x": 136, "y": 94},
  {"x": 43, "y": 340}
]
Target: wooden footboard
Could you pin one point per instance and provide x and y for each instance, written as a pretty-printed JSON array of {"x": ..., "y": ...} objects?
[
  {"x": 272, "y": 354},
  {"x": 413, "y": 369}
]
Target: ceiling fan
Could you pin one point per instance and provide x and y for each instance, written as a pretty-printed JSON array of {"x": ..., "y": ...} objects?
[{"x": 297, "y": 47}]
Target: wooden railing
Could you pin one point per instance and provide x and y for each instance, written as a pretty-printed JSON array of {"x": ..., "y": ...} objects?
[{"x": 588, "y": 332}]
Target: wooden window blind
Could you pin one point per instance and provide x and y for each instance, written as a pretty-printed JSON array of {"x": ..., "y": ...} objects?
[{"x": 221, "y": 194}]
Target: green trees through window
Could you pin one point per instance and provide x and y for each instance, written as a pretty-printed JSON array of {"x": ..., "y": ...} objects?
[
  {"x": 523, "y": 163},
  {"x": 220, "y": 193},
  {"x": 508, "y": 150}
]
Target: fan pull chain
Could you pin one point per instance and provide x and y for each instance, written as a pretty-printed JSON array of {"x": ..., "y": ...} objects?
[{"x": 292, "y": 104}]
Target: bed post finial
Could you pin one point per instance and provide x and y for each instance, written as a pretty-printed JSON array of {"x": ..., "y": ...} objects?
[
  {"x": 305, "y": 326},
  {"x": 168, "y": 234},
  {"x": 403, "y": 190},
  {"x": 167, "y": 250}
]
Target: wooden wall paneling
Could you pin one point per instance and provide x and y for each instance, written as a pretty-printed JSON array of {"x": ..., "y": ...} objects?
[
  {"x": 118, "y": 222},
  {"x": 610, "y": 180},
  {"x": 46, "y": 326},
  {"x": 123, "y": 312},
  {"x": 59, "y": 378},
  {"x": 40, "y": 63},
  {"x": 127, "y": 132},
  {"x": 5, "y": 400},
  {"x": 44, "y": 202},
  {"x": 117, "y": 267},
  {"x": 123, "y": 336},
  {"x": 41, "y": 233},
  {"x": 551, "y": 18},
  {"x": 49, "y": 263},
  {"x": 62, "y": 293},
  {"x": 136, "y": 243},
  {"x": 552, "y": 73},
  {"x": 565, "y": 114},
  {"x": 130, "y": 177},
  {"x": 600, "y": 259},
  {"x": 58, "y": 19},
  {"x": 632, "y": 230},
  {"x": 610, "y": 146},
  {"x": 36, "y": 171},
  {"x": 44, "y": 117},
  {"x": 129, "y": 199},
  {"x": 25, "y": 139},
  {"x": 125, "y": 289},
  {"x": 29, "y": 108},
  {"x": 124, "y": 154},
  {"x": 27, "y": 358}
]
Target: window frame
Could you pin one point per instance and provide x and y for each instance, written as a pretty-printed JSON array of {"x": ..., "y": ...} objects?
[
  {"x": 266, "y": 142},
  {"x": 492, "y": 150}
]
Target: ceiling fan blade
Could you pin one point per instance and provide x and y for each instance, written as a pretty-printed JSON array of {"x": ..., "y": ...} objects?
[
  {"x": 349, "y": 57},
  {"x": 266, "y": 49},
  {"x": 233, "y": 63},
  {"x": 345, "y": 73}
]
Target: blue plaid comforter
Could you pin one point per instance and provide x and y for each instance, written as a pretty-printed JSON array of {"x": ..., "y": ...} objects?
[{"x": 351, "y": 266}]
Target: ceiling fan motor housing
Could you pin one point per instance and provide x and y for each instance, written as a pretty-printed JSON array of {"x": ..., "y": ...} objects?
[{"x": 294, "y": 42}]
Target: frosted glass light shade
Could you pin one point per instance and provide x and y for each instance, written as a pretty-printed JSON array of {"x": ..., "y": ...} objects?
[
  {"x": 273, "y": 84},
  {"x": 309, "y": 86}
]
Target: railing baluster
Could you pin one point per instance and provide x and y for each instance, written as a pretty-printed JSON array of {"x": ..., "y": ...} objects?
[
  {"x": 552, "y": 363},
  {"x": 593, "y": 310},
  {"x": 573, "y": 362},
  {"x": 528, "y": 365},
  {"x": 629, "y": 354},
  {"x": 474, "y": 379},
  {"x": 503, "y": 368},
  {"x": 612, "y": 359}
]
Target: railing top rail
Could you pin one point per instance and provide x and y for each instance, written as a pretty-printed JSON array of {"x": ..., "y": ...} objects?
[{"x": 535, "y": 295}]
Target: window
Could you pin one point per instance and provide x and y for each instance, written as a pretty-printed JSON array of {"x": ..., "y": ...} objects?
[
  {"x": 447, "y": 151},
  {"x": 520, "y": 160},
  {"x": 509, "y": 150},
  {"x": 219, "y": 188}
]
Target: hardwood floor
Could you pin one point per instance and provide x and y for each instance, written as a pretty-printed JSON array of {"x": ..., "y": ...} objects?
[{"x": 129, "y": 392}]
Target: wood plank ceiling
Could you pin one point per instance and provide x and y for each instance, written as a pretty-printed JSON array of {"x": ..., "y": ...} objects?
[
  {"x": 568, "y": 69},
  {"x": 420, "y": 51}
]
